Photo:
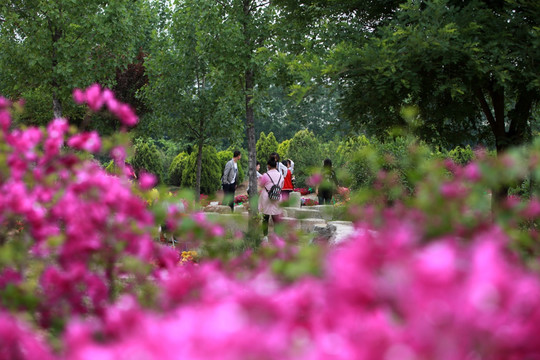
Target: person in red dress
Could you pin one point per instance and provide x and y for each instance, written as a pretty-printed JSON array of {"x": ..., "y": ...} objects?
[{"x": 287, "y": 184}]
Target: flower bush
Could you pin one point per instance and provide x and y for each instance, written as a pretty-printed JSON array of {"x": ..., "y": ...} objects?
[
  {"x": 427, "y": 274},
  {"x": 308, "y": 202},
  {"x": 304, "y": 191},
  {"x": 241, "y": 199}
]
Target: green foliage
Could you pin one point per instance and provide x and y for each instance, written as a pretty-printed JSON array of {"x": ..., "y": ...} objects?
[
  {"x": 260, "y": 148},
  {"x": 462, "y": 155},
  {"x": 305, "y": 151},
  {"x": 189, "y": 95},
  {"x": 210, "y": 171},
  {"x": 266, "y": 145},
  {"x": 54, "y": 46},
  {"x": 147, "y": 158},
  {"x": 176, "y": 169},
  {"x": 346, "y": 149},
  {"x": 400, "y": 157},
  {"x": 169, "y": 150},
  {"x": 283, "y": 149}
]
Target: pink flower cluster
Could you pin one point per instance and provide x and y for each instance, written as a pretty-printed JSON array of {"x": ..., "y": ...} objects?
[
  {"x": 96, "y": 98},
  {"x": 79, "y": 222},
  {"x": 407, "y": 289},
  {"x": 383, "y": 296}
]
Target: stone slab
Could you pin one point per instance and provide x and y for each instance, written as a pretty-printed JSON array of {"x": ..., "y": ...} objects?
[
  {"x": 303, "y": 213},
  {"x": 295, "y": 200}
]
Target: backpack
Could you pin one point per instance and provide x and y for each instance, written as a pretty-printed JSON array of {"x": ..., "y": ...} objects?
[{"x": 274, "y": 193}]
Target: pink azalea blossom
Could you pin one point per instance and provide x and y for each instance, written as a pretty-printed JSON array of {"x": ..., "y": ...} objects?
[
  {"x": 147, "y": 181},
  {"x": 89, "y": 141}
]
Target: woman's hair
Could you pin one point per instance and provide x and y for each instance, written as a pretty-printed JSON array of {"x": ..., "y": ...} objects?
[
  {"x": 285, "y": 162},
  {"x": 272, "y": 163},
  {"x": 258, "y": 163},
  {"x": 327, "y": 163}
]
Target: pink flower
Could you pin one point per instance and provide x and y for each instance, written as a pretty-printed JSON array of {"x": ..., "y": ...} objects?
[
  {"x": 93, "y": 97},
  {"x": 4, "y": 103},
  {"x": 147, "y": 181},
  {"x": 5, "y": 119},
  {"x": 89, "y": 141},
  {"x": 314, "y": 180},
  {"x": 472, "y": 172},
  {"x": 79, "y": 96},
  {"x": 126, "y": 115},
  {"x": 533, "y": 209}
]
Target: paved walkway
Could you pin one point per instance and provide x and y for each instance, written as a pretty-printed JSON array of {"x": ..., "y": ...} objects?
[{"x": 322, "y": 221}]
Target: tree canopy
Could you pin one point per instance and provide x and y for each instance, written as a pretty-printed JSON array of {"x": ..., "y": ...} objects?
[{"x": 54, "y": 46}]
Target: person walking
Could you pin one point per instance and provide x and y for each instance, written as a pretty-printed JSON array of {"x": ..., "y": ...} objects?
[
  {"x": 287, "y": 183},
  {"x": 268, "y": 207},
  {"x": 325, "y": 191},
  {"x": 230, "y": 178}
]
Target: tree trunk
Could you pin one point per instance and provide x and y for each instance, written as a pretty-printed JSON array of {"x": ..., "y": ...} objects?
[
  {"x": 250, "y": 130},
  {"x": 57, "y": 106},
  {"x": 199, "y": 170}
]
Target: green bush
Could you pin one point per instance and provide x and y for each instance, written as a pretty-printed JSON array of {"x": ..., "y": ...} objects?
[
  {"x": 347, "y": 148},
  {"x": 169, "y": 150},
  {"x": 283, "y": 149},
  {"x": 147, "y": 158},
  {"x": 210, "y": 171},
  {"x": 265, "y": 146},
  {"x": 400, "y": 156},
  {"x": 305, "y": 151},
  {"x": 461, "y": 155},
  {"x": 176, "y": 169}
]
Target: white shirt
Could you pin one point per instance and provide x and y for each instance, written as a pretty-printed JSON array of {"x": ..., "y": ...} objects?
[{"x": 282, "y": 169}]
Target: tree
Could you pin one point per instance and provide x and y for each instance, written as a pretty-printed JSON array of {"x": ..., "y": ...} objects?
[
  {"x": 284, "y": 115},
  {"x": 265, "y": 146},
  {"x": 247, "y": 26},
  {"x": 186, "y": 88},
  {"x": 59, "y": 45}
]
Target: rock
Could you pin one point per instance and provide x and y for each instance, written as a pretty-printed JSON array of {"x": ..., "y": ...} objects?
[
  {"x": 303, "y": 213},
  {"x": 295, "y": 200},
  {"x": 324, "y": 233},
  {"x": 344, "y": 229},
  {"x": 309, "y": 225},
  {"x": 327, "y": 211},
  {"x": 221, "y": 209}
]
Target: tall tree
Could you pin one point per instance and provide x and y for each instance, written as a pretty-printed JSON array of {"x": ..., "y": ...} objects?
[
  {"x": 242, "y": 39},
  {"x": 187, "y": 90},
  {"x": 469, "y": 66},
  {"x": 62, "y": 44}
]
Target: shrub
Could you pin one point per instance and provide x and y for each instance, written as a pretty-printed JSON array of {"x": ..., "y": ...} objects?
[
  {"x": 210, "y": 171},
  {"x": 265, "y": 146},
  {"x": 147, "y": 158},
  {"x": 283, "y": 149},
  {"x": 461, "y": 155},
  {"x": 305, "y": 151},
  {"x": 177, "y": 169},
  {"x": 169, "y": 150}
]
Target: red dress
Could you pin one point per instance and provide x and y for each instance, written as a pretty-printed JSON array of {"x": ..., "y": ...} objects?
[{"x": 287, "y": 184}]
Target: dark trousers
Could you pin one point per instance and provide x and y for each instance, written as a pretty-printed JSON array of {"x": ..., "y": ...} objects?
[
  {"x": 325, "y": 197},
  {"x": 266, "y": 218},
  {"x": 228, "y": 195}
]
